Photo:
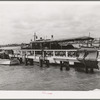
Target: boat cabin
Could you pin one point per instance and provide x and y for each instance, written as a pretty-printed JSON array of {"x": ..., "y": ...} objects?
[{"x": 59, "y": 44}]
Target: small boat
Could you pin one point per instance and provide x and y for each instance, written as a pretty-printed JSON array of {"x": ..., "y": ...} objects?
[
  {"x": 6, "y": 60},
  {"x": 9, "y": 61},
  {"x": 14, "y": 61}
]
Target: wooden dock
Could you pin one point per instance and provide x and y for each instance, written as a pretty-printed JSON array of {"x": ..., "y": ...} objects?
[{"x": 52, "y": 56}]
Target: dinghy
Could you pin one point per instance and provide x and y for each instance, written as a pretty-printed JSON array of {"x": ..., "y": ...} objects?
[
  {"x": 6, "y": 60},
  {"x": 13, "y": 61}
]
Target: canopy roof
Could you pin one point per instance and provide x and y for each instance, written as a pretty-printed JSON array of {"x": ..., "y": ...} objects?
[
  {"x": 65, "y": 40},
  {"x": 11, "y": 48}
]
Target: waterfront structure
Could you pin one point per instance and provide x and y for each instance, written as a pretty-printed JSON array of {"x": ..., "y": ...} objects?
[{"x": 61, "y": 52}]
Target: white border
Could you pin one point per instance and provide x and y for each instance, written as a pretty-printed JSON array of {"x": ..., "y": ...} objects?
[{"x": 50, "y": 94}]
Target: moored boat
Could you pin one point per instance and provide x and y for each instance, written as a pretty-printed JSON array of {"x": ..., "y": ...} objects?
[
  {"x": 13, "y": 61},
  {"x": 57, "y": 51},
  {"x": 6, "y": 60}
]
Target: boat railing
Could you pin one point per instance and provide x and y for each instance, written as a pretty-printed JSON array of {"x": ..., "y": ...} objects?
[{"x": 48, "y": 53}]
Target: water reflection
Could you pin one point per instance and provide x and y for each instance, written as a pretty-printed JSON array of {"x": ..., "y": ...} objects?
[{"x": 35, "y": 78}]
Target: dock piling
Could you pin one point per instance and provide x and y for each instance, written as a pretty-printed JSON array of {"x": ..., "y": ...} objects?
[
  {"x": 91, "y": 70},
  {"x": 26, "y": 61},
  {"x": 31, "y": 61},
  {"x": 20, "y": 59},
  {"x": 86, "y": 69},
  {"x": 61, "y": 65},
  {"x": 47, "y": 63},
  {"x": 67, "y": 66},
  {"x": 41, "y": 62}
]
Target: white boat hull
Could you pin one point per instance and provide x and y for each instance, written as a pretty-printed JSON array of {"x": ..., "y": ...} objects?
[{"x": 9, "y": 62}]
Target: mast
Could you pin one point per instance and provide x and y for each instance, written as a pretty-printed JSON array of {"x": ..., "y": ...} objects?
[{"x": 34, "y": 36}]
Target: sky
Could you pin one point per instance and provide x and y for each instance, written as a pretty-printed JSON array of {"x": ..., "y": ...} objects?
[{"x": 62, "y": 19}]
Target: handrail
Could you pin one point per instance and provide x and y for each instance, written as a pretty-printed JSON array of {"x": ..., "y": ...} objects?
[{"x": 48, "y": 50}]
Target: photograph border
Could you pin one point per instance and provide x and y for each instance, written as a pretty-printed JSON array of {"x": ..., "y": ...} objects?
[{"x": 48, "y": 95}]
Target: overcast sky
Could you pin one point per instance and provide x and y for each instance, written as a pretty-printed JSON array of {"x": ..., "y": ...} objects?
[{"x": 19, "y": 20}]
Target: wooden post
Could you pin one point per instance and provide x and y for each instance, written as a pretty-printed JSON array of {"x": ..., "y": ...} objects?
[
  {"x": 20, "y": 59},
  {"x": 67, "y": 66},
  {"x": 26, "y": 61},
  {"x": 86, "y": 69},
  {"x": 31, "y": 61},
  {"x": 91, "y": 70},
  {"x": 61, "y": 65},
  {"x": 41, "y": 62},
  {"x": 47, "y": 63}
]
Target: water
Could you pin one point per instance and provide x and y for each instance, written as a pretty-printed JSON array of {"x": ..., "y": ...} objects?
[{"x": 34, "y": 78}]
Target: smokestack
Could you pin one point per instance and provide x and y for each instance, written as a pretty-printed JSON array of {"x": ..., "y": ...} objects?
[
  {"x": 40, "y": 38},
  {"x": 52, "y": 37},
  {"x": 34, "y": 36}
]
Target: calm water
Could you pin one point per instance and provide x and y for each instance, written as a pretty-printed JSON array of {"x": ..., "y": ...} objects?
[{"x": 34, "y": 78}]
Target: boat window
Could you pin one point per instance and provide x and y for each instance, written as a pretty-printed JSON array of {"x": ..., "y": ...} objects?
[
  {"x": 18, "y": 52},
  {"x": 38, "y": 52},
  {"x": 60, "y": 53},
  {"x": 9, "y": 51},
  {"x": 49, "y": 53},
  {"x": 72, "y": 54},
  {"x": 32, "y": 52},
  {"x": 28, "y": 52},
  {"x": 23, "y": 52}
]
